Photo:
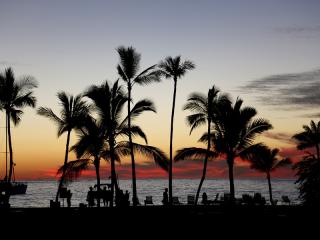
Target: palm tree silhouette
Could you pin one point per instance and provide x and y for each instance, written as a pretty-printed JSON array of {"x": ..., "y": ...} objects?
[
  {"x": 310, "y": 137},
  {"x": 128, "y": 71},
  {"x": 15, "y": 95},
  {"x": 266, "y": 160},
  {"x": 308, "y": 172},
  {"x": 72, "y": 115},
  {"x": 174, "y": 68},
  {"x": 234, "y": 133},
  {"x": 204, "y": 109},
  {"x": 309, "y": 168},
  {"x": 108, "y": 104}
]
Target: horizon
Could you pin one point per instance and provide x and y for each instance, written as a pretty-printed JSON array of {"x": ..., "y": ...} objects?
[{"x": 267, "y": 53}]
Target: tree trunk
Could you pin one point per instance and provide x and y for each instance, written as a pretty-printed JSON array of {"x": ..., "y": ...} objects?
[
  {"x": 113, "y": 170},
  {"x": 204, "y": 164},
  {"x": 10, "y": 147},
  {"x": 64, "y": 165},
  {"x": 171, "y": 139},
  {"x": 270, "y": 189},
  {"x": 230, "y": 160},
  {"x": 97, "y": 167},
  {"x": 135, "y": 200}
]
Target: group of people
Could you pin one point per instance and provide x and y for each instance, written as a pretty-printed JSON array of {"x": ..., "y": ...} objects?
[{"x": 121, "y": 198}]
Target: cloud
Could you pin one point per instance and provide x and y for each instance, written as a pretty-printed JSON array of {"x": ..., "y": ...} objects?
[
  {"x": 292, "y": 91},
  {"x": 12, "y": 63},
  {"x": 283, "y": 137},
  {"x": 298, "y": 29}
]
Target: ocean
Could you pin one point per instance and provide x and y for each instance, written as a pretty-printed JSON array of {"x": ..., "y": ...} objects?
[{"x": 39, "y": 193}]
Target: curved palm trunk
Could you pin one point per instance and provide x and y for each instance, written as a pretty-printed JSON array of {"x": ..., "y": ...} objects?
[
  {"x": 135, "y": 200},
  {"x": 270, "y": 189},
  {"x": 205, "y": 163},
  {"x": 10, "y": 147},
  {"x": 64, "y": 165},
  {"x": 230, "y": 161},
  {"x": 97, "y": 167},
  {"x": 113, "y": 170},
  {"x": 171, "y": 139}
]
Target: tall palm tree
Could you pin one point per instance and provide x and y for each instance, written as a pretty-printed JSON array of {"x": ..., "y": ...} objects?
[
  {"x": 128, "y": 70},
  {"x": 204, "y": 109},
  {"x": 266, "y": 160},
  {"x": 234, "y": 132},
  {"x": 174, "y": 68},
  {"x": 310, "y": 137},
  {"x": 15, "y": 95},
  {"x": 72, "y": 115}
]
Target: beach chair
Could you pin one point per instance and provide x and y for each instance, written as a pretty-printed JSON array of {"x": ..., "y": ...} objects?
[
  {"x": 148, "y": 200},
  {"x": 175, "y": 201},
  {"x": 191, "y": 199},
  {"x": 285, "y": 199}
]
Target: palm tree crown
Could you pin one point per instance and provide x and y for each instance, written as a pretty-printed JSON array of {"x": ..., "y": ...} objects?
[{"x": 310, "y": 137}]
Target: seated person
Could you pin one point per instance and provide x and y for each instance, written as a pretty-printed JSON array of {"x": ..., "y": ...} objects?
[
  {"x": 165, "y": 200},
  {"x": 204, "y": 198}
]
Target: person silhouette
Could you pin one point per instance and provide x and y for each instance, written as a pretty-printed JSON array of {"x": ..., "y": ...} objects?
[
  {"x": 90, "y": 197},
  {"x": 204, "y": 198},
  {"x": 165, "y": 197},
  {"x": 69, "y": 195}
]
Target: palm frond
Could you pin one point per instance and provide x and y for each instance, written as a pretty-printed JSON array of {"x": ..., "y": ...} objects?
[
  {"x": 193, "y": 153},
  {"x": 73, "y": 169}
]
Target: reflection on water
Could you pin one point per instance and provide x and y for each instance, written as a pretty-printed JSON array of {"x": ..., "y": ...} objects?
[{"x": 39, "y": 193}]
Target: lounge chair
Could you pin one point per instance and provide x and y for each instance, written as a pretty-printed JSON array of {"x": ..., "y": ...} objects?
[
  {"x": 286, "y": 200},
  {"x": 148, "y": 200},
  {"x": 175, "y": 201}
]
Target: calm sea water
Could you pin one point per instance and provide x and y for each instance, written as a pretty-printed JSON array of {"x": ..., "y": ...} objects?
[{"x": 39, "y": 193}]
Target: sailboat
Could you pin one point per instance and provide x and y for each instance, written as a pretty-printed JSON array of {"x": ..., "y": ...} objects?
[{"x": 11, "y": 187}]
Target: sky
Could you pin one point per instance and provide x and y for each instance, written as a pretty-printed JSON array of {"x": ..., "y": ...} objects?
[{"x": 266, "y": 52}]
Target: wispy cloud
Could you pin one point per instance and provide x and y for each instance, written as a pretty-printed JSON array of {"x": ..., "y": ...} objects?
[
  {"x": 12, "y": 63},
  {"x": 283, "y": 137},
  {"x": 299, "y": 29},
  {"x": 287, "y": 91}
]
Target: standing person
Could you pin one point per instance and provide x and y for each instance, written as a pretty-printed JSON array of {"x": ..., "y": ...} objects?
[
  {"x": 90, "y": 198},
  {"x": 165, "y": 199},
  {"x": 69, "y": 195}
]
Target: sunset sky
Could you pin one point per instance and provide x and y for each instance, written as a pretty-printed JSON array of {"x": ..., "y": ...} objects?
[{"x": 266, "y": 52}]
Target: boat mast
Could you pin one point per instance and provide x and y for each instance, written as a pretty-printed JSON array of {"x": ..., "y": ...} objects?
[{"x": 6, "y": 177}]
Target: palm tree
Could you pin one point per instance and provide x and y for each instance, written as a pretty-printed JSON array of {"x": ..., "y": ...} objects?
[
  {"x": 128, "y": 71},
  {"x": 109, "y": 103},
  {"x": 174, "y": 68},
  {"x": 265, "y": 160},
  {"x": 234, "y": 132},
  {"x": 204, "y": 109},
  {"x": 15, "y": 95},
  {"x": 309, "y": 168},
  {"x": 308, "y": 172},
  {"x": 310, "y": 137},
  {"x": 72, "y": 115}
]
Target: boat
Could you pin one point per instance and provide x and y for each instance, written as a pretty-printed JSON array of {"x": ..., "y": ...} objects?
[{"x": 13, "y": 188}]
